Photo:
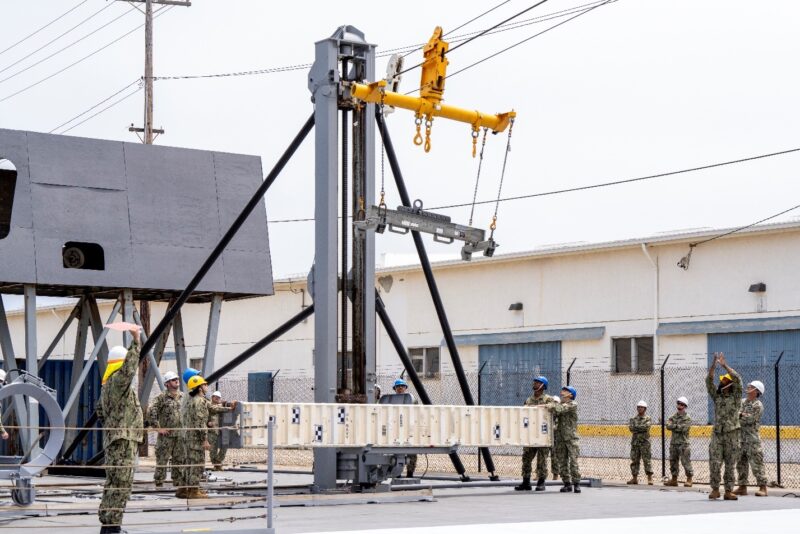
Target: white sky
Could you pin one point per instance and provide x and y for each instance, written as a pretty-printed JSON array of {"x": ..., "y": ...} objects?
[{"x": 632, "y": 88}]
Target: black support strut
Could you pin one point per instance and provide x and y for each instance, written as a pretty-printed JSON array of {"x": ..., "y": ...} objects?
[
  {"x": 380, "y": 309},
  {"x": 432, "y": 286}
]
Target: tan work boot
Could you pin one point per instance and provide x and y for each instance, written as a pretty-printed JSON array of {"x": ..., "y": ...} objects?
[
  {"x": 762, "y": 491},
  {"x": 741, "y": 490},
  {"x": 180, "y": 493},
  {"x": 649, "y": 480},
  {"x": 633, "y": 480},
  {"x": 672, "y": 482},
  {"x": 730, "y": 496},
  {"x": 714, "y": 494},
  {"x": 688, "y": 483},
  {"x": 197, "y": 493}
]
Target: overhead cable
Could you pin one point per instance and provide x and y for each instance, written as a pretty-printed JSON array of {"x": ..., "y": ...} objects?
[
  {"x": 84, "y": 58},
  {"x": 48, "y": 43},
  {"x": 61, "y": 16},
  {"x": 79, "y": 115},
  {"x": 90, "y": 117},
  {"x": 65, "y": 48},
  {"x": 595, "y": 186}
]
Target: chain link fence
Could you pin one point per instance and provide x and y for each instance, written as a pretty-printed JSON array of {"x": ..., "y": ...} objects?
[{"x": 606, "y": 401}]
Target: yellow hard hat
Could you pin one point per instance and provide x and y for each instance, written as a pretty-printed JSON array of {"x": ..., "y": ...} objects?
[
  {"x": 196, "y": 381},
  {"x": 726, "y": 376},
  {"x": 112, "y": 367}
]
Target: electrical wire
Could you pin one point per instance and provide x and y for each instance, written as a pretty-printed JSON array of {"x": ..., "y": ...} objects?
[
  {"x": 48, "y": 43},
  {"x": 594, "y": 186},
  {"x": 694, "y": 245},
  {"x": 73, "y": 8},
  {"x": 302, "y": 66},
  {"x": 537, "y": 4},
  {"x": 158, "y": 13},
  {"x": 470, "y": 21},
  {"x": 76, "y": 117},
  {"x": 523, "y": 41}
]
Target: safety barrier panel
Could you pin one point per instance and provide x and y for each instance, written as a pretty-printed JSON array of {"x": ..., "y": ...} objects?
[{"x": 393, "y": 425}]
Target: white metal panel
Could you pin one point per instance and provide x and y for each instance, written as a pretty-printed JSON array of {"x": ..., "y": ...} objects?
[{"x": 392, "y": 425}]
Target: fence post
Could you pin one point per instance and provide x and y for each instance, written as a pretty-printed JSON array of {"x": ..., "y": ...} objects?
[
  {"x": 663, "y": 425},
  {"x": 569, "y": 369},
  {"x": 479, "y": 403},
  {"x": 778, "y": 414}
]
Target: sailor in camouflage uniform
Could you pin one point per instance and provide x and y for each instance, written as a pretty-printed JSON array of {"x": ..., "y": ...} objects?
[
  {"x": 218, "y": 450},
  {"x": 567, "y": 438},
  {"x": 121, "y": 414},
  {"x": 724, "y": 446},
  {"x": 751, "y": 453},
  {"x": 679, "y": 450},
  {"x": 537, "y": 398},
  {"x": 165, "y": 415},
  {"x": 3, "y": 433},
  {"x": 640, "y": 444},
  {"x": 195, "y": 414},
  {"x": 554, "y": 467}
]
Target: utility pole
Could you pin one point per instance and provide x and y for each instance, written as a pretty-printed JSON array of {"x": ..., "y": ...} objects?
[
  {"x": 148, "y": 131},
  {"x": 147, "y": 138}
]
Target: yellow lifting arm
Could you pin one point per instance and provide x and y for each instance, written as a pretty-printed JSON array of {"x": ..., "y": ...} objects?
[
  {"x": 431, "y": 90},
  {"x": 373, "y": 93}
]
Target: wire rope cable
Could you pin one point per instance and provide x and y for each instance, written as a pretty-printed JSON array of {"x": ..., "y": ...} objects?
[{"x": 35, "y": 32}]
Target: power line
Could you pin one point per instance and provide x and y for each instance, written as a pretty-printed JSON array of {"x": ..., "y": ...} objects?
[
  {"x": 596, "y": 186},
  {"x": 745, "y": 227},
  {"x": 537, "y": 4},
  {"x": 529, "y": 38},
  {"x": 48, "y": 43},
  {"x": 302, "y": 66},
  {"x": 79, "y": 115},
  {"x": 84, "y": 58},
  {"x": 470, "y": 21},
  {"x": 60, "y": 50},
  {"x": 90, "y": 117},
  {"x": 79, "y": 4}
]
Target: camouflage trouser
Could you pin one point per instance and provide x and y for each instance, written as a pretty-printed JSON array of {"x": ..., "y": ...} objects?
[
  {"x": 567, "y": 454},
  {"x": 540, "y": 453},
  {"x": 554, "y": 467},
  {"x": 179, "y": 462},
  {"x": 411, "y": 464},
  {"x": 120, "y": 455},
  {"x": 680, "y": 452},
  {"x": 166, "y": 451},
  {"x": 724, "y": 447},
  {"x": 218, "y": 452},
  {"x": 640, "y": 451},
  {"x": 751, "y": 455},
  {"x": 196, "y": 460}
]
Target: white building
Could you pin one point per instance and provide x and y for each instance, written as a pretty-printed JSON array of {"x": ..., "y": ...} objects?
[{"x": 621, "y": 306}]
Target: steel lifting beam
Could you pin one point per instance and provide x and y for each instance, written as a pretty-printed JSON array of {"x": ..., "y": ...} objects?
[
  {"x": 380, "y": 308},
  {"x": 404, "y": 219},
  {"x": 432, "y": 286},
  {"x": 169, "y": 316}
]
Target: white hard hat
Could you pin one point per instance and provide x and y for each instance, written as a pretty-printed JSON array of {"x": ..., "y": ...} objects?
[
  {"x": 117, "y": 353},
  {"x": 642, "y": 404},
  {"x": 758, "y": 384},
  {"x": 684, "y": 401},
  {"x": 556, "y": 399},
  {"x": 217, "y": 394},
  {"x": 170, "y": 375},
  {"x": 2, "y": 375}
]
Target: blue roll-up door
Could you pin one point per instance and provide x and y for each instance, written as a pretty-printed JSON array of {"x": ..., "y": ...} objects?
[
  {"x": 508, "y": 371},
  {"x": 753, "y": 355}
]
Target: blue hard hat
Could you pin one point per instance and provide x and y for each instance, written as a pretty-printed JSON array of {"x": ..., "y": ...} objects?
[
  {"x": 541, "y": 380},
  {"x": 189, "y": 373},
  {"x": 572, "y": 390},
  {"x": 399, "y": 382}
]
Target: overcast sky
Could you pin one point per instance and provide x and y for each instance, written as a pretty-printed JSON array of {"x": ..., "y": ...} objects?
[{"x": 632, "y": 88}]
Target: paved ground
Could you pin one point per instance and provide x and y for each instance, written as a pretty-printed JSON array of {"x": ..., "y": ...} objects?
[{"x": 611, "y": 509}]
